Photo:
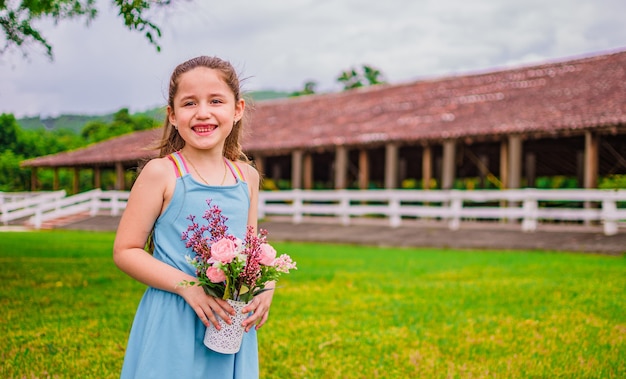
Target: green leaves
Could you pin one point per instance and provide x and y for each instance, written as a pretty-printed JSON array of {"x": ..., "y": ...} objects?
[
  {"x": 354, "y": 78},
  {"x": 17, "y": 19}
]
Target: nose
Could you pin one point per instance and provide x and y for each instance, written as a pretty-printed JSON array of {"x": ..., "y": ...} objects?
[{"x": 204, "y": 110}]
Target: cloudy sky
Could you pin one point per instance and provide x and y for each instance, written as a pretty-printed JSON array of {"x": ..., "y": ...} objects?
[{"x": 281, "y": 44}]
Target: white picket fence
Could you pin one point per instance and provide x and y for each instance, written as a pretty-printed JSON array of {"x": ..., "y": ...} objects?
[
  {"x": 528, "y": 207},
  {"x": 19, "y": 205},
  {"x": 53, "y": 205}
]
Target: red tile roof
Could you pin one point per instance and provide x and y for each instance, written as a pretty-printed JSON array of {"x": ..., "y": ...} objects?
[
  {"x": 554, "y": 98},
  {"x": 571, "y": 95},
  {"x": 128, "y": 149}
]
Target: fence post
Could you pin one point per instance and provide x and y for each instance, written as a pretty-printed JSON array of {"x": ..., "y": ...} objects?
[
  {"x": 297, "y": 206},
  {"x": 94, "y": 202},
  {"x": 456, "y": 205},
  {"x": 261, "y": 210},
  {"x": 529, "y": 221},
  {"x": 37, "y": 219},
  {"x": 3, "y": 215},
  {"x": 344, "y": 207},
  {"x": 394, "y": 212},
  {"x": 609, "y": 208}
]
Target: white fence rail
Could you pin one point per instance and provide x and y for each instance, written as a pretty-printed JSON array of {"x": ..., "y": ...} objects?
[
  {"x": 94, "y": 202},
  {"x": 19, "y": 205},
  {"x": 529, "y": 207}
]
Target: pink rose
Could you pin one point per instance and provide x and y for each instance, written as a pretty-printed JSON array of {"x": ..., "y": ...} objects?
[
  {"x": 215, "y": 275},
  {"x": 268, "y": 254},
  {"x": 224, "y": 250}
]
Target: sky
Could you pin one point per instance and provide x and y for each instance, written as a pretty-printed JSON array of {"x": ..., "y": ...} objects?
[{"x": 281, "y": 44}]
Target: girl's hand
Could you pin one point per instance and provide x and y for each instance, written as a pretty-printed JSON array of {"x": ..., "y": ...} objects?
[
  {"x": 207, "y": 306},
  {"x": 260, "y": 306}
]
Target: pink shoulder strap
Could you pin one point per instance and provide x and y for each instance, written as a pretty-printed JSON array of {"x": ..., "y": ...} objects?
[
  {"x": 180, "y": 166},
  {"x": 236, "y": 170}
]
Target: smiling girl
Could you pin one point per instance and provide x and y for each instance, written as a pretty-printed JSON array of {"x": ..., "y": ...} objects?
[{"x": 200, "y": 158}]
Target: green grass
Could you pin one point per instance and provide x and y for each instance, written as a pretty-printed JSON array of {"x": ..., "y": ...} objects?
[{"x": 348, "y": 312}]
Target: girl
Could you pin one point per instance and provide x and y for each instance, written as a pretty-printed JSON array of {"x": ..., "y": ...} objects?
[{"x": 200, "y": 159}]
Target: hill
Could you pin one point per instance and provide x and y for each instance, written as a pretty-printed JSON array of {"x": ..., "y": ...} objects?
[{"x": 77, "y": 122}]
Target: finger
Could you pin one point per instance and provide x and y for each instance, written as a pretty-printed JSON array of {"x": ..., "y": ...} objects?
[
  {"x": 202, "y": 316},
  {"x": 263, "y": 320},
  {"x": 225, "y": 306},
  {"x": 222, "y": 314},
  {"x": 255, "y": 318}
]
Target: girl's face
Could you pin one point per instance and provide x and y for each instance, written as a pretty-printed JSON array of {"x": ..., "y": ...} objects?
[{"x": 204, "y": 109}]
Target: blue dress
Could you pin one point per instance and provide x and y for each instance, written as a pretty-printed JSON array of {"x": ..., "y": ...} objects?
[{"x": 166, "y": 336}]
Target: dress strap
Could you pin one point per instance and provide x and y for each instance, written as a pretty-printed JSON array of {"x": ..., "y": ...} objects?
[
  {"x": 236, "y": 170},
  {"x": 180, "y": 166}
]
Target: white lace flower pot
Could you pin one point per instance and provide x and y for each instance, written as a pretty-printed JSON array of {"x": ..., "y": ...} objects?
[{"x": 228, "y": 339}]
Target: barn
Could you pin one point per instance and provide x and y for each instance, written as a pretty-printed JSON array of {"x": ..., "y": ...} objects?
[{"x": 495, "y": 129}]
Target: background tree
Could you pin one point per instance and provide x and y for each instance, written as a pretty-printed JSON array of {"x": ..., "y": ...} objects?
[
  {"x": 309, "y": 89},
  {"x": 123, "y": 123},
  {"x": 355, "y": 78},
  {"x": 17, "y": 19}
]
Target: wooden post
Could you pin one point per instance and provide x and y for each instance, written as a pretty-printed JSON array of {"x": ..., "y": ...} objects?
[
  {"x": 341, "y": 167},
  {"x": 33, "y": 179},
  {"x": 427, "y": 167},
  {"x": 76, "y": 181},
  {"x": 591, "y": 159},
  {"x": 308, "y": 171},
  {"x": 364, "y": 169},
  {"x": 483, "y": 170},
  {"x": 55, "y": 179},
  {"x": 531, "y": 169},
  {"x": 515, "y": 161},
  {"x": 504, "y": 164},
  {"x": 97, "y": 179},
  {"x": 259, "y": 164},
  {"x": 449, "y": 165},
  {"x": 119, "y": 177},
  {"x": 296, "y": 169},
  {"x": 391, "y": 166}
]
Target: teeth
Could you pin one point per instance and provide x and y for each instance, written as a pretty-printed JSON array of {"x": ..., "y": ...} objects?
[{"x": 203, "y": 129}]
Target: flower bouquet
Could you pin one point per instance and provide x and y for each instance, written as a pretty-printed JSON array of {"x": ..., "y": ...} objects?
[{"x": 231, "y": 269}]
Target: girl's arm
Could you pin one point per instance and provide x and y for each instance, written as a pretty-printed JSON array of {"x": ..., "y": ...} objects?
[
  {"x": 260, "y": 305},
  {"x": 148, "y": 198}
]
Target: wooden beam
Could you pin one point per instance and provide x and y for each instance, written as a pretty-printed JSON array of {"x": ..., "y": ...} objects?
[
  {"x": 449, "y": 165},
  {"x": 391, "y": 166},
  {"x": 76, "y": 180},
  {"x": 308, "y": 171},
  {"x": 55, "y": 179},
  {"x": 530, "y": 167},
  {"x": 591, "y": 159},
  {"x": 515, "y": 161},
  {"x": 259, "y": 163},
  {"x": 97, "y": 177},
  {"x": 119, "y": 177},
  {"x": 34, "y": 185},
  {"x": 341, "y": 167},
  {"x": 296, "y": 169},
  {"x": 427, "y": 167},
  {"x": 504, "y": 164},
  {"x": 364, "y": 169}
]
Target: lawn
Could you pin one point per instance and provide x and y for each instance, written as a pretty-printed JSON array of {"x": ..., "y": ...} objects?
[{"x": 348, "y": 312}]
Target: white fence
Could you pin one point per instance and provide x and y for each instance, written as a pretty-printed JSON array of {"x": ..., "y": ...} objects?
[
  {"x": 54, "y": 205},
  {"x": 19, "y": 205},
  {"x": 529, "y": 207}
]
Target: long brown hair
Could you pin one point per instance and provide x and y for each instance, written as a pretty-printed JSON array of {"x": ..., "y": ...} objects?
[{"x": 171, "y": 140}]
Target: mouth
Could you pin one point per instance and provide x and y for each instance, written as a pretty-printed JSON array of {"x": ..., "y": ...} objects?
[{"x": 202, "y": 129}]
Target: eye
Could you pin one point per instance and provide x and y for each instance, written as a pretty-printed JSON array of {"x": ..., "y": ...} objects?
[
  {"x": 188, "y": 103},
  {"x": 216, "y": 101}
]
